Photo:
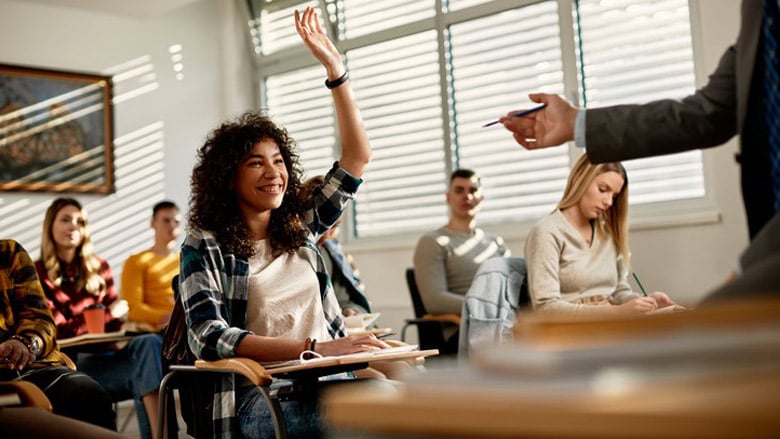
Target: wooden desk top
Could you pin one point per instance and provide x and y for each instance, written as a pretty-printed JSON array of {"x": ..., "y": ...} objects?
[
  {"x": 707, "y": 373},
  {"x": 743, "y": 406}
]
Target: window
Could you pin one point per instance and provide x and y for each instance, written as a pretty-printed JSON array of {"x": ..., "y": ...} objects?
[
  {"x": 298, "y": 101},
  {"x": 428, "y": 79},
  {"x": 634, "y": 52}
]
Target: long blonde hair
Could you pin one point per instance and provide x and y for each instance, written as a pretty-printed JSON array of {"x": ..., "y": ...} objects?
[
  {"x": 615, "y": 220},
  {"x": 89, "y": 265}
]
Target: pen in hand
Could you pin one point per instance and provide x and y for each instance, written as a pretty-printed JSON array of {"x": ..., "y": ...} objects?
[
  {"x": 518, "y": 114},
  {"x": 386, "y": 334},
  {"x": 636, "y": 278}
]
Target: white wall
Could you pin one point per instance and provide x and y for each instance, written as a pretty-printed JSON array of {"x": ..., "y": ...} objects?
[
  {"x": 685, "y": 260},
  {"x": 159, "y": 120}
]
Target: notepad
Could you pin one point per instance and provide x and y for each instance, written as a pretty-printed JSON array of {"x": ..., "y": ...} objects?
[
  {"x": 395, "y": 353},
  {"x": 106, "y": 337}
]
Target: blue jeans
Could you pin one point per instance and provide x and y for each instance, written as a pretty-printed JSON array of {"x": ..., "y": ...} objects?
[
  {"x": 131, "y": 372},
  {"x": 301, "y": 416}
]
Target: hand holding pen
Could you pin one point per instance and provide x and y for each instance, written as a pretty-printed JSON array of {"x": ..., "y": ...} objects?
[
  {"x": 551, "y": 127},
  {"x": 661, "y": 299},
  {"x": 517, "y": 114}
]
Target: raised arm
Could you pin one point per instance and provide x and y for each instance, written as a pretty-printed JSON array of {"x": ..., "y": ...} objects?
[{"x": 355, "y": 149}]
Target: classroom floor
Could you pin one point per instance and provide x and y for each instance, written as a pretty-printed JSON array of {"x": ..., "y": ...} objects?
[{"x": 128, "y": 425}]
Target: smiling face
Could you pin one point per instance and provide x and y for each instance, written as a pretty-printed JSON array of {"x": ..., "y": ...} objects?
[
  {"x": 67, "y": 230},
  {"x": 600, "y": 195},
  {"x": 464, "y": 197},
  {"x": 261, "y": 179}
]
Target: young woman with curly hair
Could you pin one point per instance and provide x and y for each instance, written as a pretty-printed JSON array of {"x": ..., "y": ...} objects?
[{"x": 253, "y": 283}]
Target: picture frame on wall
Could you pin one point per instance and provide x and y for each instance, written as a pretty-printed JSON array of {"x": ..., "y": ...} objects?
[{"x": 56, "y": 131}]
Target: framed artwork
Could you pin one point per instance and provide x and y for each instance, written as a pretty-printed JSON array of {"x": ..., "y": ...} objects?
[{"x": 56, "y": 131}]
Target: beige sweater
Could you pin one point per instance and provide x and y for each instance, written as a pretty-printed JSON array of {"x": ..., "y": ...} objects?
[{"x": 563, "y": 271}]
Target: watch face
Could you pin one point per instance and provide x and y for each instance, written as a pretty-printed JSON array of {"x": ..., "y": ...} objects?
[{"x": 35, "y": 348}]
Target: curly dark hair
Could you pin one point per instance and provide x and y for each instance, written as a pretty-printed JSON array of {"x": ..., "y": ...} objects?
[{"x": 213, "y": 202}]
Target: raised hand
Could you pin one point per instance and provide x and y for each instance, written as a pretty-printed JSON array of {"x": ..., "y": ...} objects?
[
  {"x": 308, "y": 27},
  {"x": 551, "y": 126}
]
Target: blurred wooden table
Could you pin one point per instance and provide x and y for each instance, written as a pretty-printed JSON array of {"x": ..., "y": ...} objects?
[{"x": 738, "y": 400}]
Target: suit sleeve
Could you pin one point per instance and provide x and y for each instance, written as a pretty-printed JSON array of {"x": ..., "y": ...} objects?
[{"x": 704, "y": 119}]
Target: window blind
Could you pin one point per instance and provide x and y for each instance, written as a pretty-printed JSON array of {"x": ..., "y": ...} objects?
[
  {"x": 491, "y": 78},
  {"x": 299, "y": 101},
  {"x": 634, "y": 52},
  {"x": 424, "y": 103},
  {"x": 362, "y": 17},
  {"x": 273, "y": 29},
  {"x": 397, "y": 85}
]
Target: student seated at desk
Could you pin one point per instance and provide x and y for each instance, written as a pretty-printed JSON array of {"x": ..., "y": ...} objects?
[
  {"x": 28, "y": 350},
  {"x": 147, "y": 276},
  {"x": 253, "y": 283},
  {"x": 577, "y": 256},
  {"x": 75, "y": 278},
  {"x": 347, "y": 286},
  {"x": 446, "y": 259}
]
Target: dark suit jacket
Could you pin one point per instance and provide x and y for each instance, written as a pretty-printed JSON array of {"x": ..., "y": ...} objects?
[{"x": 710, "y": 117}]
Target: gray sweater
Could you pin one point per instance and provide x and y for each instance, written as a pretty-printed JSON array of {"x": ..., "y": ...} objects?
[
  {"x": 445, "y": 262},
  {"x": 564, "y": 271}
]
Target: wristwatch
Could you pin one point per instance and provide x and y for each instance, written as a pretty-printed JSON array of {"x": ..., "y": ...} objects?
[{"x": 32, "y": 342}]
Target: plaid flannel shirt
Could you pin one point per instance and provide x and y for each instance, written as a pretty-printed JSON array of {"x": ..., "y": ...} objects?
[
  {"x": 214, "y": 289},
  {"x": 27, "y": 311}
]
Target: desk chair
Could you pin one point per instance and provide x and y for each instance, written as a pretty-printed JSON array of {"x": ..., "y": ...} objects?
[
  {"x": 194, "y": 379},
  {"x": 430, "y": 327},
  {"x": 25, "y": 411},
  {"x": 28, "y": 394}
]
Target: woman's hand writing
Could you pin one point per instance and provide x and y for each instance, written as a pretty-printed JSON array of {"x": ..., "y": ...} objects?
[
  {"x": 640, "y": 305},
  {"x": 661, "y": 299},
  {"x": 349, "y": 345}
]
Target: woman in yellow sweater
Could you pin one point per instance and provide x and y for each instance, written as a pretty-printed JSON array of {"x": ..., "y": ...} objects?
[{"x": 146, "y": 276}]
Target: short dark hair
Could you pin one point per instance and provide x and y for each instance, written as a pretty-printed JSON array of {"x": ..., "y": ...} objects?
[
  {"x": 165, "y": 204},
  {"x": 464, "y": 173}
]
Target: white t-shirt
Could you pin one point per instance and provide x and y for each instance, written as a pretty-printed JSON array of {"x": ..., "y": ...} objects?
[{"x": 284, "y": 299}]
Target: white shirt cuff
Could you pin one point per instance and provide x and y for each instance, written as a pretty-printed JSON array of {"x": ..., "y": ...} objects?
[{"x": 579, "y": 129}]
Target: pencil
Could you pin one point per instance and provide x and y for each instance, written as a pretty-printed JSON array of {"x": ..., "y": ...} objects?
[
  {"x": 636, "y": 278},
  {"x": 519, "y": 114}
]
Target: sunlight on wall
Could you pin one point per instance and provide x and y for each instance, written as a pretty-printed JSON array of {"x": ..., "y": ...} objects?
[{"x": 119, "y": 222}]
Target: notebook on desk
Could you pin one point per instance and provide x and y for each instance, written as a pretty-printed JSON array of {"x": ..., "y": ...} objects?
[
  {"x": 106, "y": 337},
  {"x": 389, "y": 354}
]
